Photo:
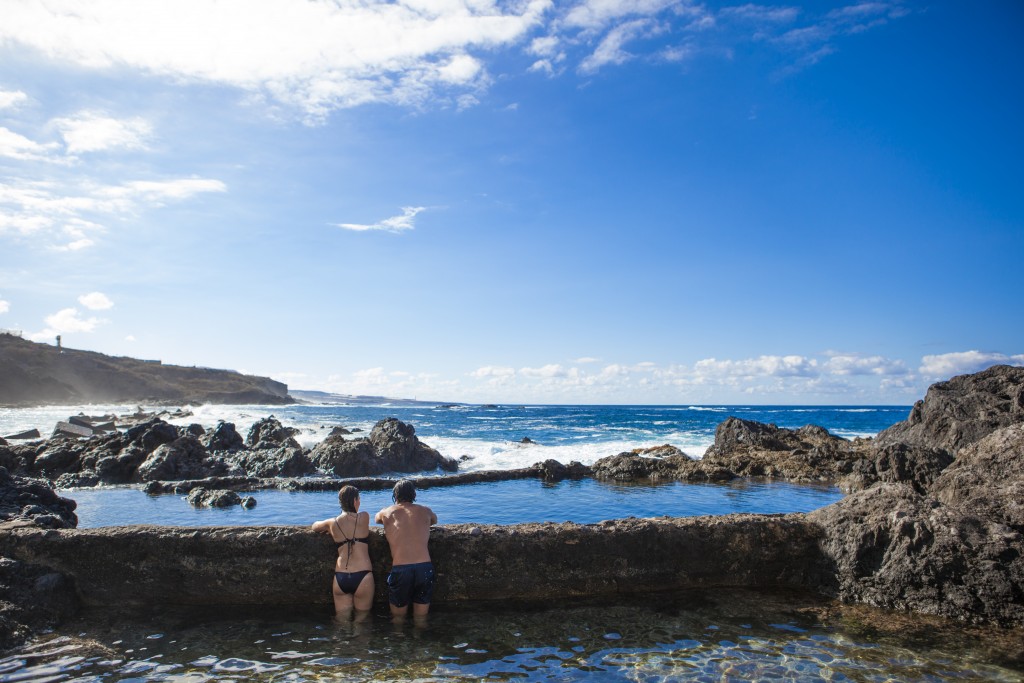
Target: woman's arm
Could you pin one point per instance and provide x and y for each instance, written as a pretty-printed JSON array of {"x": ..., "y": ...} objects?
[{"x": 322, "y": 527}]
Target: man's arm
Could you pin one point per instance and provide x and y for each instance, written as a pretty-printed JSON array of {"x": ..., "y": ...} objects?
[{"x": 379, "y": 517}]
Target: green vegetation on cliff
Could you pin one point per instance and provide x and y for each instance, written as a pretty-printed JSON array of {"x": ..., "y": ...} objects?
[{"x": 41, "y": 374}]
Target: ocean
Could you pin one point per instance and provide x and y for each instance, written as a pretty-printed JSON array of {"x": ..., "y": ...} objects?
[{"x": 491, "y": 436}]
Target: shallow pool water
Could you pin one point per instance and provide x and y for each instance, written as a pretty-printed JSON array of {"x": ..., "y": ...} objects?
[
  {"x": 719, "y": 636},
  {"x": 508, "y": 502}
]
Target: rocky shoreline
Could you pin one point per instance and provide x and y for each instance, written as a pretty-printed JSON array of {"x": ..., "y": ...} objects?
[{"x": 933, "y": 524}]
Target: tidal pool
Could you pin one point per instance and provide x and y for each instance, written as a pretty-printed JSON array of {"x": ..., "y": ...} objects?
[
  {"x": 508, "y": 502},
  {"x": 701, "y": 636}
]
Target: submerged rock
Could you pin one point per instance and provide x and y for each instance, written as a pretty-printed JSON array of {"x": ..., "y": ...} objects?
[{"x": 201, "y": 497}]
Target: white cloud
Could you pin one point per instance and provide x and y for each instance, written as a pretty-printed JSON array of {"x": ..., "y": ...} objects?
[
  {"x": 394, "y": 224},
  {"x": 15, "y": 146},
  {"x": 4, "y": 306},
  {"x": 946, "y": 365},
  {"x": 586, "y": 359},
  {"x": 761, "y": 14},
  {"x": 492, "y": 371},
  {"x": 763, "y": 366},
  {"x": 11, "y": 98},
  {"x": 92, "y": 132},
  {"x": 96, "y": 301},
  {"x": 130, "y": 338},
  {"x": 853, "y": 364},
  {"x": 315, "y": 55},
  {"x": 547, "y": 371},
  {"x": 65, "y": 321}
]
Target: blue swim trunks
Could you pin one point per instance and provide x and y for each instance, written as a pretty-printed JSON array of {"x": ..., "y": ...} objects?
[{"x": 413, "y": 582}]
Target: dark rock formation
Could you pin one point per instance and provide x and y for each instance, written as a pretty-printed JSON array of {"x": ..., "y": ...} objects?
[
  {"x": 32, "y": 501},
  {"x": 224, "y": 438},
  {"x": 661, "y": 462},
  {"x": 392, "y": 446},
  {"x": 184, "y": 458},
  {"x": 987, "y": 479},
  {"x": 897, "y": 462},
  {"x": 962, "y": 410},
  {"x": 755, "y": 449},
  {"x": 283, "y": 462},
  {"x": 269, "y": 433},
  {"x": 894, "y": 548},
  {"x": 32, "y": 599},
  {"x": 201, "y": 497}
]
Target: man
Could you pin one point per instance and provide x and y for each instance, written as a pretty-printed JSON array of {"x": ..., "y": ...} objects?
[{"x": 407, "y": 528}]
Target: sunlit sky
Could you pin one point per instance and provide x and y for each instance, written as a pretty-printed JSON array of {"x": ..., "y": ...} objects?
[{"x": 597, "y": 201}]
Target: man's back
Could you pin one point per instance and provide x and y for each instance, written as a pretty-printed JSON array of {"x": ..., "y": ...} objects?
[{"x": 407, "y": 528}]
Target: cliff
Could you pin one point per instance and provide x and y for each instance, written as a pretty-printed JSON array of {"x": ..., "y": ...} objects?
[{"x": 40, "y": 374}]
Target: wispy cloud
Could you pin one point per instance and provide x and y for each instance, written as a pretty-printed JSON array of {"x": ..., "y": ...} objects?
[
  {"x": 65, "y": 214},
  {"x": 5, "y": 306},
  {"x": 400, "y": 223}
]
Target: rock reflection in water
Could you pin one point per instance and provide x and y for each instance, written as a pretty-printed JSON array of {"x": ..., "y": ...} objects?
[{"x": 739, "y": 635}]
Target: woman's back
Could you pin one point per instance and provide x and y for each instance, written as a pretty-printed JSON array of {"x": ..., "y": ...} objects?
[{"x": 351, "y": 532}]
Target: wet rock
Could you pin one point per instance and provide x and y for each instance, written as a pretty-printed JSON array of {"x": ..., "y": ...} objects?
[
  {"x": 224, "y": 438},
  {"x": 556, "y": 471},
  {"x": 151, "y": 434},
  {"x": 283, "y": 462},
  {"x": 269, "y": 433},
  {"x": 962, "y": 410},
  {"x": 33, "y": 501},
  {"x": 392, "y": 446},
  {"x": 339, "y": 431},
  {"x": 32, "y": 599},
  {"x": 810, "y": 453},
  {"x": 58, "y": 456},
  {"x": 248, "y": 502},
  {"x": 201, "y": 497},
  {"x": 892, "y": 547},
  {"x": 185, "y": 458}
]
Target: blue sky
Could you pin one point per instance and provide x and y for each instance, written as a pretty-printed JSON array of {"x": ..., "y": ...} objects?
[{"x": 597, "y": 201}]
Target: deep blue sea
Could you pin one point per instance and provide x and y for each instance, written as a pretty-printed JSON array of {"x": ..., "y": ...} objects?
[{"x": 489, "y": 438}]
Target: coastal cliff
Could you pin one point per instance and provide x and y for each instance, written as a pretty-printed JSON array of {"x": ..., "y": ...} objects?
[{"x": 40, "y": 374}]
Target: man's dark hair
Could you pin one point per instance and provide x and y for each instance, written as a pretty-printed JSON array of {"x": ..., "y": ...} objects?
[
  {"x": 404, "y": 492},
  {"x": 347, "y": 497}
]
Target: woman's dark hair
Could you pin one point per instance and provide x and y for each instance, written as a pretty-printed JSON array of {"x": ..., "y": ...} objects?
[
  {"x": 347, "y": 497},
  {"x": 404, "y": 492}
]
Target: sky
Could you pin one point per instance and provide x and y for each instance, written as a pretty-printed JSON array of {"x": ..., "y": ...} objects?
[{"x": 593, "y": 201}]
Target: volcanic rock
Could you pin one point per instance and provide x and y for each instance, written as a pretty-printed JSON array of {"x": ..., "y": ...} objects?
[
  {"x": 201, "y": 497},
  {"x": 392, "y": 446},
  {"x": 269, "y": 433},
  {"x": 32, "y": 598},
  {"x": 283, "y": 462},
  {"x": 962, "y": 410},
  {"x": 185, "y": 458},
  {"x": 35, "y": 502},
  {"x": 224, "y": 438},
  {"x": 807, "y": 454}
]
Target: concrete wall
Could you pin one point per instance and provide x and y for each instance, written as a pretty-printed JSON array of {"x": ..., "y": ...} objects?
[{"x": 147, "y": 565}]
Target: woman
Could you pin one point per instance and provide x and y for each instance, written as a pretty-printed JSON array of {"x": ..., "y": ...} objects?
[{"x": 353, "y": 572}]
